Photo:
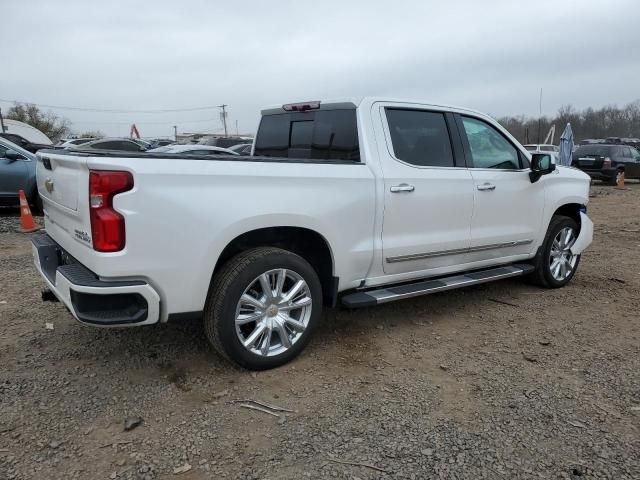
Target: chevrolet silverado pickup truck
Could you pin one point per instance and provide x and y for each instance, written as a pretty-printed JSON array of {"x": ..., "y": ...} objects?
[{"x": 355, "y": 202}]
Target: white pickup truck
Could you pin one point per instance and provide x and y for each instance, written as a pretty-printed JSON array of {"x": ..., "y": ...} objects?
[{"x": 356, "y": 202}]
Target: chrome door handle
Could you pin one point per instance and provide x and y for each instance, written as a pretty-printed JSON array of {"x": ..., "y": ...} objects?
[
  {"x": 403, "y": 187},
  {"x": 486, "y": 186}
]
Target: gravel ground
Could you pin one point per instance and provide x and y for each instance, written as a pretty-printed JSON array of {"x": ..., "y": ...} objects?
[{"x": 502, "y": 380}]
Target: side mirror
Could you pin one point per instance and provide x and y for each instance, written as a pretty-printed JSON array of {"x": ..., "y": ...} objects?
[
  {"x": 12, "y": 156},
  {"x": 541, "y": 164}
]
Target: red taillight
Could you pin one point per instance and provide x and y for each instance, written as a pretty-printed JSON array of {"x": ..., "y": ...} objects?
[
  {"x": 301, "y": 107},
  {"x": 107, "y": 225},
  {"x": 606, "y": 163}
]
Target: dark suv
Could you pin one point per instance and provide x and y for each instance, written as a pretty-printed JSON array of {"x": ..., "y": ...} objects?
[{"x": 603, "y": 161}]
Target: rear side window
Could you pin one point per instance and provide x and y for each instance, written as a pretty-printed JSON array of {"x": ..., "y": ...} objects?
[
  {"x": 420, "y": 138},
  {"x": 129, "y": 146},
  {"x": 321, "y": 135}
]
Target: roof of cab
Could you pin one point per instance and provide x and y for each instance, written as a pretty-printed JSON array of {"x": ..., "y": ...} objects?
[{"x": 355, "y": 102}]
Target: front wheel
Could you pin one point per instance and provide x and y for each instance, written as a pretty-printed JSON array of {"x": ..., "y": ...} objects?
[
  {"x": 262, "y": 308},
  {"x": 556, "y": 264}
]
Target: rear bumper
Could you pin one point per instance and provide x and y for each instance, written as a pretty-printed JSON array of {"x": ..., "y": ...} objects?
[{"x": 92, "y": 300}]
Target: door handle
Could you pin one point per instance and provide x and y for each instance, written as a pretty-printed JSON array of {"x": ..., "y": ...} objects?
[
  {"x": 486, "y": 186},
  {"x": 403, "y": 187}
]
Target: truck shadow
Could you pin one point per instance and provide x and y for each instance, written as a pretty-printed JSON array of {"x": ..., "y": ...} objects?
[{"x": 340, "y": 330}]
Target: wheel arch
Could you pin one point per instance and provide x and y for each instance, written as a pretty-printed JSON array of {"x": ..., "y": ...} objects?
[
  {"x": 305, "y": 242},
  {"x": 571, "y": 210}
]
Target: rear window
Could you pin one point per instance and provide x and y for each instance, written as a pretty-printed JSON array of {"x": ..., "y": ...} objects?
[
  {"x": 320, "y": 135},
  {"x": 603, "y": 150}
]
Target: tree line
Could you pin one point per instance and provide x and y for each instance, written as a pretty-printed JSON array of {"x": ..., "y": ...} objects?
[
  {"x": 52, "y": 125},
  {"x": 608, "y": 121}
]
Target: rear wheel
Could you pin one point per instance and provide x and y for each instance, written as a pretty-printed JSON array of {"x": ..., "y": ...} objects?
[
  {"x": 262, "y": 308},
  {"x": 556, "y": 264}
]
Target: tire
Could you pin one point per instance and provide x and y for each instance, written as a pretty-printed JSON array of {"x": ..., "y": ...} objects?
[
  {"x": 228, "y": 315},
  {"x": 544, "y": 275},
  {"x": 613, "y": 181}
]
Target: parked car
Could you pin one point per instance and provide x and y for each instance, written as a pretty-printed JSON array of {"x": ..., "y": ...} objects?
[
  {"x": 24, "y": 143},
  {"x": 242, "y": 148},
  {"x": 125, "y": 144},
  {"x": 542, "y": 148},
  {"x": 72, "y": 142},
  {"x": 224, "y": 142},
  {"x": 361, "y": 203},
  {"x": 193, "y": 150},
  {"x": 603, "y": 161},
  {"x": 161, "y": 142},
  {"x": 17, "y": 172}
]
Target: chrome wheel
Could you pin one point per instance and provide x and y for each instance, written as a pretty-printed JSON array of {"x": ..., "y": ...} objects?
[
  {"x": 561, "y": 260},
  {"x": 273, "y": 312}
]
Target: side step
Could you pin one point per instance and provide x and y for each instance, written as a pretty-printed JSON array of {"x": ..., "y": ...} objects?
[{"x": 370, "y": 298}]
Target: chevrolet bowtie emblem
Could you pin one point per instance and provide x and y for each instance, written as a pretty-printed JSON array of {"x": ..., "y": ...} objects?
[{"x": 48, "y": 184}]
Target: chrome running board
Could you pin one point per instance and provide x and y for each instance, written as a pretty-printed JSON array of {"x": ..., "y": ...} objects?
[{"x": 369, "y": 298}]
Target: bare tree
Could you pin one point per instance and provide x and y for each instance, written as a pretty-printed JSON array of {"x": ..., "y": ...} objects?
[
  {"x": 49, "y": 123},
  {"x": 608, "y": 121}
]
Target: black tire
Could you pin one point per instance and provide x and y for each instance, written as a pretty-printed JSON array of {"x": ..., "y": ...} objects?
[
  {"x": 613, "y": 181},
  {"x": 542, "y": 275},
  {"x": 228, "y": 286}
]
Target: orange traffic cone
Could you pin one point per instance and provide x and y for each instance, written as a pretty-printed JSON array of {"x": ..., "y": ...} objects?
[
  {"x": 620, "y": 180},
  {"x": 27, "y": 223}
]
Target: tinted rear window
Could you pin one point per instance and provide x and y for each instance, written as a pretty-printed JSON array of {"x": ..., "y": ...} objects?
[
  {"x": 420, "y": 138},
  {"x": 320, "y": 135},
  {"x": 596, "y": 150}
]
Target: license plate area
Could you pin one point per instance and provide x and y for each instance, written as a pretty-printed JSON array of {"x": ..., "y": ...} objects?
[{"x": 586, "y": 162}]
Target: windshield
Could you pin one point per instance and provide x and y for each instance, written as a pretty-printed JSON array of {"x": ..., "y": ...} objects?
[{"x": 12, "y": 146}]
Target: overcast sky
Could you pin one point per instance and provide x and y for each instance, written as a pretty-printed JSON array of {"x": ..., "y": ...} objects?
[{"x": 491, "y": 55}]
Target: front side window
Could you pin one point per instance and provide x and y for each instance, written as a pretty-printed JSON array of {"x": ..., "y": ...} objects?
[
  {"x": 489, "y": 149},
  {"x": 420, "y": 138}
]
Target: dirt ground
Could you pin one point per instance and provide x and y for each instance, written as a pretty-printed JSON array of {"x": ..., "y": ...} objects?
[{"x": 503, "y": 380}]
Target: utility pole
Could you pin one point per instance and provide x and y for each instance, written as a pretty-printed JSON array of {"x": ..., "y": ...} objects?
[
  {"x": 224, "y": 117},
  {"x": 175, "y": 133},
  {"x": 539, "y": 116},
  {"x": 2, "y": 129},
  {"x": 237, "y": 128}
]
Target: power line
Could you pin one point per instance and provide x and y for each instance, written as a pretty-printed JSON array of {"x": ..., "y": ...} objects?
[
  {"x": 107, "y": 110},
  {"x": 169, "y": 122}
]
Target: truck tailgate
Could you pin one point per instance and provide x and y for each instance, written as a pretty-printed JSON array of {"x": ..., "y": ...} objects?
[{"x": 63, "y": 184}]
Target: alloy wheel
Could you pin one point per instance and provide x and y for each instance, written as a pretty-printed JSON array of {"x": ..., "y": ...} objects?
[{"x": 273, "y": 312}]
